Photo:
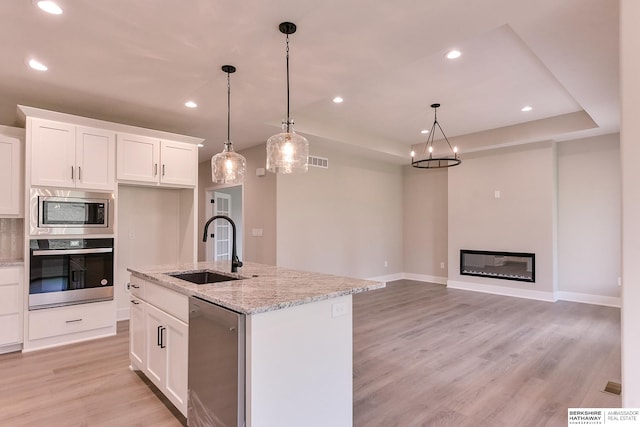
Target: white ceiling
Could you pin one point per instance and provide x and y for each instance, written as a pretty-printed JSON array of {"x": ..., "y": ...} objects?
[{"x": 137, "y": 62}]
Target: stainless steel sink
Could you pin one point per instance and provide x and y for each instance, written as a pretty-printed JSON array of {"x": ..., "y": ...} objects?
[{"x": 203, "y": 277}]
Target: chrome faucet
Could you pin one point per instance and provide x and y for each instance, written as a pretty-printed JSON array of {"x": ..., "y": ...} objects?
[{"x": 235, "y": 262}]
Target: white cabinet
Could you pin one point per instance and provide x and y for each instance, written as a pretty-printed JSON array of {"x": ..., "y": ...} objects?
[
  {"x": 11, "y": 174},
  {"x": 65, "y": 155},
  {"x": 11, "y": 303},
  {"x": 159, "y": 339},
  {"x": 138, "y": 158},
  {"x": 143, "y": 159},
  {"x": 179, "y": 163},
  {"x": 137, "y": 332}
]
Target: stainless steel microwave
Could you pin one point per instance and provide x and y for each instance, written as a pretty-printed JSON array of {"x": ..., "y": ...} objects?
[{"x": 58, "y": 211}]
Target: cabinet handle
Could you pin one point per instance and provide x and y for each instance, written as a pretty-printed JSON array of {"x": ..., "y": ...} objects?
[
  {"x": 162, "y": 337},
  {"x": 162, "y": 169},
  {"x": 135, "y": 302},
  {"x": 73, "y": 321},
  {"x": 79, "y": 174},
  {"x": 135, "y": 286},
  {"x": 72, "y": 173},
  {"x": 159, "y": 335}
]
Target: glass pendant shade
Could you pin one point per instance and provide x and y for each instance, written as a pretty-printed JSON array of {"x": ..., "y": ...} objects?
[
  {"x": 228, "y": 167},
  {"x": 287, "y": 152}
]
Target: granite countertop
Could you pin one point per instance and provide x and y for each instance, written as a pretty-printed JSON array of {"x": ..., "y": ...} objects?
[
  {"x": 261, "y": 288},
  {"x": 11, "y": 262}
]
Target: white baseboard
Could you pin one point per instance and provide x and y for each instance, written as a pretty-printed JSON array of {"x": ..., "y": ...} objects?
[
  {"x": 589, "y": 299},
  {"x": 387, "y": 278},
  {"x": 501, "y": 290},
  {"x": 425, "y": 278},
  {"x": 122, "y": 314}
]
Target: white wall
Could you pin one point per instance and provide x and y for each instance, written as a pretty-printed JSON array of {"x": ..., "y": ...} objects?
[
  {"x": 344, "y": 220},
  {"x": 148, "y": 234},
  {"x": 630, "y": 153},
  {"x": 425, "y": 225},
  {"x": 589, "y": 216},
  {"x": 259, "y": 207},
  {"x": 521, "y": 220}
]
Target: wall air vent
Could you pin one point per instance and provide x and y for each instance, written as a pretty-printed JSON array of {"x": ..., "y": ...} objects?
[{"x": 319, "y": 162}]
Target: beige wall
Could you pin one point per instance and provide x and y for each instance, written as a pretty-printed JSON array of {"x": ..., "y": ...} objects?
[
  {"x": 630, "y": 153},
  {"x": 521, "y": 220},
  {"x": 344, "y": 220},
  {"x": 425, "y": 222},
  {"x": 589, "y": 216},
  {"x": 259, "y": 208}
]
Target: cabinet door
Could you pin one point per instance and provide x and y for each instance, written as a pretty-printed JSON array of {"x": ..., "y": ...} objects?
[
  {"x": 95, "y": 159},
  {"x": 53, "y": 153},
  {"x": 11, "y": 297},
  {"x": 138, "y": 158},
  {"x": 137, "y": 333},
  {"x": 177, "y": 349},
  {"x": 10, "y": 175},
  {"x": 179, "y": 163},
  {"x": 156, "y": 360}
]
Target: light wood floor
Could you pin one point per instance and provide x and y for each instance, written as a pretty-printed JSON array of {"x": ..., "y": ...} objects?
[{"x": 424, "y": 355}]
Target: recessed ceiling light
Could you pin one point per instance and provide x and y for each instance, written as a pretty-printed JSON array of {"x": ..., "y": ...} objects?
[
  {"x": 200, "y": 145},
  {"x": 37, "y": 65},
  {"x": 526, "y": 108},
  {"x": 190, "y": 104},
  {"x": 453, "y": 54},
  {"x": 423, "y": 131},
  {"x": 338, "y": 99},
  {"x": 50, "y": 7}
]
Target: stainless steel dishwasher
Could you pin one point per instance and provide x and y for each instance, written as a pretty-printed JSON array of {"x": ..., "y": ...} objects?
[{"x": 216, "y": 366}]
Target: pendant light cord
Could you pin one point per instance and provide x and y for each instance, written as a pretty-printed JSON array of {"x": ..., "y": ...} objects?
[
  {"x": 228, "y": 109},
  {"x": 288, "y": 119}
]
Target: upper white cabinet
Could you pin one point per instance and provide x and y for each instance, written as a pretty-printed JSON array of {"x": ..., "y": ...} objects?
[
  {"x": 150, "y": 160},
  {"x": 179, "y": 163},
  {"x": 11, "y": 173},
  {"x": 65, "y": 155},
  {"x": 138, "y": 158}
]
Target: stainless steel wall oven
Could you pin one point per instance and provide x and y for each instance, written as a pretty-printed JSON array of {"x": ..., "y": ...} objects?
[
  {"x": 58, "y": 211},
  {"x": 70, "y": 271}
]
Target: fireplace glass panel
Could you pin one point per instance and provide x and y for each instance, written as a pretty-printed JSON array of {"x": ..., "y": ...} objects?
[{"x": 519, "y": 266}]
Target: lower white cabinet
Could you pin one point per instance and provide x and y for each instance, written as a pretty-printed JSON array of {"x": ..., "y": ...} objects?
[
  {"x": 11, "y": 302},
  {"x": 159, "y": 341}
]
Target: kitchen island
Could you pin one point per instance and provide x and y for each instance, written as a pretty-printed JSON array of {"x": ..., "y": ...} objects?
[{"x": 298, "y": 337}]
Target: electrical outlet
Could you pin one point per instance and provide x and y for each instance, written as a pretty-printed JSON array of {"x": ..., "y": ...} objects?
[
  {"x": 442, "y": 265},
  {"x": 386, "y": 264},
  {"x": 338, "y": 309}
]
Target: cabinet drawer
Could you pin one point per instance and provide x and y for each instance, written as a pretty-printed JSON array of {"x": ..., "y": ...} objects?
[
  {"x": 172, "y": 302},
  {"x": 10, "y": 298},
  {"x": 68, "y": 320},
  {"x": 11, "y": 331},
  {"x": 11, "y": 275},
  {"x": 137, "y": 286}
]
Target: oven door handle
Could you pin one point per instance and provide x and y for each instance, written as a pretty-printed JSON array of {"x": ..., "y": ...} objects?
[{"x": 71, "y": 251}]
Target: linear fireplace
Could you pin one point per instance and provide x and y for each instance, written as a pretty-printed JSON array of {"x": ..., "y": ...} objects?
[{"x": 519, "y": 266}]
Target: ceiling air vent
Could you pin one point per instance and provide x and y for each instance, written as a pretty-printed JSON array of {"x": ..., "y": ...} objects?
[{"x": 319, "y": 162}]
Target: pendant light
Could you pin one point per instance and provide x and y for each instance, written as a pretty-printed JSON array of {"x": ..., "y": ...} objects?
[
  {"x": 431, "y": 161},
  {"x": 287, "y": 152},
  {"x": 228, "y": 167}
]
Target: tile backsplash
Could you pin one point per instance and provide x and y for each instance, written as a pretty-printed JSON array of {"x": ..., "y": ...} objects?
[{"x": 11, "y": 238}]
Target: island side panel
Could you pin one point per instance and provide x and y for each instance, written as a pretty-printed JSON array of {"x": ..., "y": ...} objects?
[{"x": 300, "y": 366}]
